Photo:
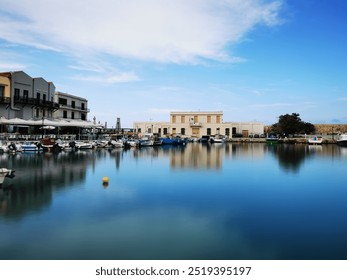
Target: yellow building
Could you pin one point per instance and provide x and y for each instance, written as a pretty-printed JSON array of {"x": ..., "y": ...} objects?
[
  {"x": 5, "y": 86},
  {"x": 197, "y": 124}
]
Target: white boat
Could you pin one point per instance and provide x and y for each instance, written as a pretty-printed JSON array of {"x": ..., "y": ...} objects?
[
  {"x": 149, "y": 140},
  {"x": 31, "y": 147},
  {"x": 272, "y": 139},
  {"x": 133, "y": 143},
  {"x": 217, "y": 139},
  {"x": 342, "y": 139},
  {"x": 117, "y": 143},
  {"x": 83, "y": 145},
  {"x": 3, "y": 147},
  {"x": 4, "y": 172},
  {"x": 316, "y": 140}
]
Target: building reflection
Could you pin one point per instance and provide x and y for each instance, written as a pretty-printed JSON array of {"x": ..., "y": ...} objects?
[{"x": 38, "y": 176}]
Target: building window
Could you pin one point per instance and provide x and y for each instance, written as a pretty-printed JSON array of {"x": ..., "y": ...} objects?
[
  {"x": 208, "y": 119},
  {"x": 196, "y": 119},
  {"x": 174, "y": 130},
  {"x": 82, "y": 106},
  {"x": 73, "y": 104},
  {"x": 183, "y": 131},
  {"x": 65, "y": 114},
  {"x": 72, "y": 115},
  {"x": 83, "y": 117},
  {"x": 43, "y": 112},
  {"x": 173, "y": 119},
  {"x": 234, "y": 130},
  {"x": 37, "y": 112},
  {"x": 44, "y": 97},
  {"x": 165, "y": 130},
  {"x": 16, "y": 93},
  {"x": 183, "y": 119},
  {"x": 227, "y": 131},
  {"x": 209, "y": 131},
  {"x": 218, "y": 119},
  {"x": 62, "y": 101},
  {"x": 139, "y": 130}
]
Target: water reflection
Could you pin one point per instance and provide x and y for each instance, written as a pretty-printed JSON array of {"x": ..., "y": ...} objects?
[
  {"x": 196, "y": 202},
  {"x": 39, "y": 175}
]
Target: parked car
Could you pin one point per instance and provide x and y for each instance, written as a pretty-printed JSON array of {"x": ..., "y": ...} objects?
[{"x": 237, "y": 135}]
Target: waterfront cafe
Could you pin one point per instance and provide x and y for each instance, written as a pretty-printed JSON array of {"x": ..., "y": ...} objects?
[{"x": 20, "y": 128}]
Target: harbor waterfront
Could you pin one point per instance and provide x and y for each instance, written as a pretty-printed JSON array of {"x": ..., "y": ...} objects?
[{"x": 198, "y": 201}]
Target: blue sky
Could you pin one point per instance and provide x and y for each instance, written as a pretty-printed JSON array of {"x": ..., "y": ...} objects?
[{"x": 139, "y": 60}]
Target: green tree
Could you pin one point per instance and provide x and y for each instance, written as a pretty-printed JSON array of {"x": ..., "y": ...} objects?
[{"x": 292, "y": 124}]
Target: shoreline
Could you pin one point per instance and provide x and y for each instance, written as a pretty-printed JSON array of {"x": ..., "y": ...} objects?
[{"x": 280, "y": 141}]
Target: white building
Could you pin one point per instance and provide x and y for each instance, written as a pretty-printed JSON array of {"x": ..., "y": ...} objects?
[
  {"x": 71, "y": 107},
  {"x": 197, "y": 124}
]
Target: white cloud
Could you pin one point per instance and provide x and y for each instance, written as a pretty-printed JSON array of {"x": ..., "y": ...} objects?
[
  {"x": 11, "y": 66},
  {"x": 109, "y": 79},
  {"x": 165, "y": 31}
]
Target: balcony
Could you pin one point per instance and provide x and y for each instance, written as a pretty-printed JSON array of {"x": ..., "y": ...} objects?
[
  {"x": 195, "y": 124},
  {"x": 77, "y": 108},
  {"x": 5, "y": 100},
  {"x": 36, "y": 102}
]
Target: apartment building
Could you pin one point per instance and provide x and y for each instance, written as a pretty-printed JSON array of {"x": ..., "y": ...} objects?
[
  {"x": 22, "y": 96},
  {"x": 71, "y": 107},
  {"x": 27, "y": 98},
  {"x": 197, "y": 124}
]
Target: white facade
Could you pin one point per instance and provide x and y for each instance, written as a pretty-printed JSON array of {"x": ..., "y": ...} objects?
[
  {"x": 71, "y": 107},
  {"x": 197, "y": 124}
]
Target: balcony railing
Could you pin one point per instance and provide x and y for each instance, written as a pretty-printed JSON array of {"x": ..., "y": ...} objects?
[
  {"x": 36, "y": 102},
  {"x": 5, "y": 100},
  {"x": 74, "y": 107}
]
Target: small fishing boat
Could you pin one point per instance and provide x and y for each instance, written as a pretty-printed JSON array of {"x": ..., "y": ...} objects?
[
  {"x": 217, "y": 139},
  {"x": 272, "y": 139},
  {"x": 4, "y": 172},
  {"x": 80, "y": 145},
  {"x": 175, "y": 140},
  {"x": 31, "y": 147},
  {"x": 316, "y": 140},
  {"x": 117, "y": 143},
  {"x": 149, "y": 140}
]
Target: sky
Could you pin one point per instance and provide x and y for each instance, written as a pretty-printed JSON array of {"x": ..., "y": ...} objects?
[{"x": 139, "y": 60}]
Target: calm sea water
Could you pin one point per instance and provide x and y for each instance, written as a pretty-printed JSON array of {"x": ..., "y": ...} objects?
[{"x": 231, "y": 201}]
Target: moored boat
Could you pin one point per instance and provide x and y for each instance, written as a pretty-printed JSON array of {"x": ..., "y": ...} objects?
[
  {"x": 272, "y": 139},
  {"x": 117, "y": 143},
  {"x": 31, "y": 147},
  {"x": 342, "y": 140},
  {"x": 217, "y": 139},
  {"x": 83, "y": 145},
  {"x": 149, "y": 140},
  {"x": 175, "y": 140},
  {"x": 4, "y": 172},
  {"x": 316, "y": 140}
]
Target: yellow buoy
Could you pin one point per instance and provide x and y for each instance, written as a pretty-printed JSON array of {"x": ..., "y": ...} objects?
[{"x": 105, "y": 181}]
